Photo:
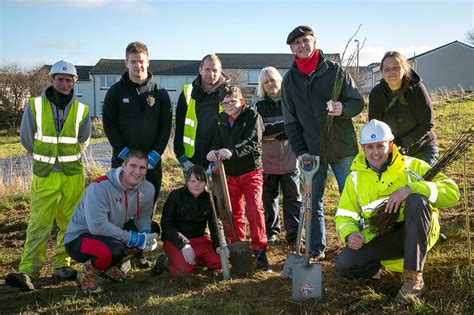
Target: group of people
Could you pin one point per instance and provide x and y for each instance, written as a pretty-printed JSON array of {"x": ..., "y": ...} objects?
[{"x": 258, "y": 145}]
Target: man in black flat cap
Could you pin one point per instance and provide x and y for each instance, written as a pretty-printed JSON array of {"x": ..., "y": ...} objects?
[{"x": 306, "y": 103}]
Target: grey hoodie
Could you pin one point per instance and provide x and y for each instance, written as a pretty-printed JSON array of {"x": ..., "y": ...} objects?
[{"x": 107, "y": 205}]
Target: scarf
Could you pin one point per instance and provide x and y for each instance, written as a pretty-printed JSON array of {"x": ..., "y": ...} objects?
[{"x": 309, "y": 64}]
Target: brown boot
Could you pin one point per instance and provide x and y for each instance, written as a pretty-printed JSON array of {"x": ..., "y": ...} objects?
[{"x": 413, "y": 287}]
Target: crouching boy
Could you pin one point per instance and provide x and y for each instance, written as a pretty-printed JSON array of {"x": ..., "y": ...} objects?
[
  {"x": 112, "y": 222},
  {"x": 237, "y": 142}
]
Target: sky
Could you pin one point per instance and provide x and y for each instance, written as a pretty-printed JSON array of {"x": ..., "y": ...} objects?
[{"x": 37, "y": 32}]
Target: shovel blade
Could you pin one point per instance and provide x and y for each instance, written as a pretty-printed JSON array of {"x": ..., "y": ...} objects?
[
  {"x": 291, "y": 261},
  {"x": 241, "y": 259},
  {"x": 307, "y": 279}
]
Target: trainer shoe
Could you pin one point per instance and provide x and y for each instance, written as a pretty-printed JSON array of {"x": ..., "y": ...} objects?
[
  {"x": 118, "y": 273},
  {"x": 161, "y": 265},
  {"x": 65, "y": 273},
  {"x": 88, "y": 278},
  {"x": 320, "y": 256},
  {"x": 140, "y": 262},
  {"x": 262, "y": 260},
  {"x": 19, "y": 280}
]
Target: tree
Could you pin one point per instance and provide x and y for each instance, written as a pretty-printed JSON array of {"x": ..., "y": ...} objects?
[
  {"x": 470, "y": 36},
  {"x": 16, "y": 85}
]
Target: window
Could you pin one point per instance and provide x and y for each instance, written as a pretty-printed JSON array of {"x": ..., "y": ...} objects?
[
  {"x": 168, "y": 83},
  {"x": 106, "y": 81},
  {"x": 190, "y": 79},
  {"x": 79, "y": 91},
  {"x": 252, "y": 77}
]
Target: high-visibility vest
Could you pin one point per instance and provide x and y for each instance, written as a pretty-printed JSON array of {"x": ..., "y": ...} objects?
[
  {"x": 49, "y": 146},
  {"x": 191, "y": 122}
]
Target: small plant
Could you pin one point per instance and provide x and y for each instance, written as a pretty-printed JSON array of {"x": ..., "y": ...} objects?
[{"x": 97, "y": 128}]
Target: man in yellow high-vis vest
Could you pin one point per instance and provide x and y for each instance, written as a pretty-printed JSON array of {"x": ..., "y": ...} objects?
[
  {"x": 55, "y": 129},
  {"x": 198, "y": 105}
]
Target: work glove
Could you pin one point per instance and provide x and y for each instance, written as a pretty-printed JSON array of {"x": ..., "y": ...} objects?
[
  {"x": 184, "y": 163},
  {"x": 224, "y": 154},
  {"x": 153, "y": 158},
  {"x": 123, "y": 153},
  {"x": 306, "y": 163},
  {"x": 140, "y": 240},
  {"x": 151, "y": 244},
  {"x": 212, "y": 156},
  {"x": 226, "y": 251},
  {"x": 189, "y": 254}
]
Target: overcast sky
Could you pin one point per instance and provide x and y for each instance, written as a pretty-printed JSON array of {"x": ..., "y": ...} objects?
[{"x": 35, "y": 32}]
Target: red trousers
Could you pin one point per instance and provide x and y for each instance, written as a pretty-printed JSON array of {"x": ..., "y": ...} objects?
[
  {"x": 204, "y": 250},
  {"x": 248, "y": 186}
]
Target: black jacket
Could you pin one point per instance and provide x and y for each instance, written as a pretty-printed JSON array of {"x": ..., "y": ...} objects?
[
  {"x": 411, "y": 117},
  {"x": 304, "y": 108},
  {"x": 277, "y": 154},
  {"x": 243, "y": 139},
  {"x": 137, "y": 116},
  {"x": 207, "y": 107},
  {"x": 185, "y": 217}
]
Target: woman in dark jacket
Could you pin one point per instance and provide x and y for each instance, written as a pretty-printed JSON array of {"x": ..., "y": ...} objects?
[
  {"x": 279, "y": 160},
  {"x": 402, "y": 101},
  {"x": 186, "y": 214}
]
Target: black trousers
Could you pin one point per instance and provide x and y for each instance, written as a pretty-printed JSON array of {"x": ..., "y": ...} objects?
[
  {"x": 104, "y": 251},
  {"x": 289, "y": 184},
  {"x": 407, "y": 241}
]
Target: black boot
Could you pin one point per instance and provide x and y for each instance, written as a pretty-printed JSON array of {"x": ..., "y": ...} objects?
[
  {"x": 262, "y": 260},
  {"x": 161, "y": 265}
]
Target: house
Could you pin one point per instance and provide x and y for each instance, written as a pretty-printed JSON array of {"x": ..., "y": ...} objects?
[
  {"x": 173, "y": 74},
  {"x": 448, "y": 67}
]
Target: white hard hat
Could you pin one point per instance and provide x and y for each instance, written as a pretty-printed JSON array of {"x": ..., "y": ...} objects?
[
  {"x": 375, "y": 131},
  {"x": 63, "y": 67}
]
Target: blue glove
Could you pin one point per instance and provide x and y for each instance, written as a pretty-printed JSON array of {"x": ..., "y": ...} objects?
[
  {"x": 209, "y": 170},
  {"x": 136, "y": 239},
  {"x": 184, "y": 163},
  {"x": 123, "y": 153},
  {"x": 153, "y": 158}
]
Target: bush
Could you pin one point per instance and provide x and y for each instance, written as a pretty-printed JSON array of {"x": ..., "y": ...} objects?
[{"x": 97, "y": 128}]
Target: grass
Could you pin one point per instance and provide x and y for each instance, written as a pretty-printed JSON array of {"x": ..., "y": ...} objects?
[{"x": 447, "y": 274}]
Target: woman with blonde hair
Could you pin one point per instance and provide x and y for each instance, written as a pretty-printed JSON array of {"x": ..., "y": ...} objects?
[
  {"x": 279, "y": 160},
  {"x": 402, "y": 101}
]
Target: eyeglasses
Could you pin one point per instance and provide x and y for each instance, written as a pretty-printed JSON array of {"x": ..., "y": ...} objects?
[
  {"x": 230, "y": 103},
  {"x": 392, "y": 69}
]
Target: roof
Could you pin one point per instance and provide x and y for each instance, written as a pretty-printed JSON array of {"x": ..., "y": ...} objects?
[
  {"x": 191, "y": 67},
  {"x": 440, "y": 47},
  {"x": 82, "y": 71},
  {"x": 176, "y": 67}
]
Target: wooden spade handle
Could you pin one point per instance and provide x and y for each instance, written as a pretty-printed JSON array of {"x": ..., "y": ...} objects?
[{"x": 225, "y": 192}]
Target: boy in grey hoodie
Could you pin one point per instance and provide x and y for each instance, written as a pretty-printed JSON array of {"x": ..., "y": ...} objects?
[{"x": 97, "y": 234}]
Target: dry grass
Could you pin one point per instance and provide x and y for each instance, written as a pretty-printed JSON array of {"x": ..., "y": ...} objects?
[{"x": 447, "y": 274}]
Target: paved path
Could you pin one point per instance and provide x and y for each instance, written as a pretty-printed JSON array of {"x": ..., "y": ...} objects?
[{"x": 20, "y": 166}]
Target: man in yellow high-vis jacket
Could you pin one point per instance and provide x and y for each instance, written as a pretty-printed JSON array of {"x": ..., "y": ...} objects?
[
  {"x": 198, "y": 106},
  {"x": 55, "y": 129},
  {"x": 381, "y": 173}
]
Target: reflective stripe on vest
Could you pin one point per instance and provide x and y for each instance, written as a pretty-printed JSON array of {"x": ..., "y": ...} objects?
[
  {"x": 48, "y": 146},
  {"x": 191, "y": 122}
]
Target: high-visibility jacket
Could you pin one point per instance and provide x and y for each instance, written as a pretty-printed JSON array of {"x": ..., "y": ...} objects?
[
  {"x": 191, "y": 122},
  {"x": 49, "y": 146},
  {"x": 364, "y": 190}
]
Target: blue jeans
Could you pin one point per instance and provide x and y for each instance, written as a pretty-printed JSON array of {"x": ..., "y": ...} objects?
[{"x": 318, "y": 230}]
